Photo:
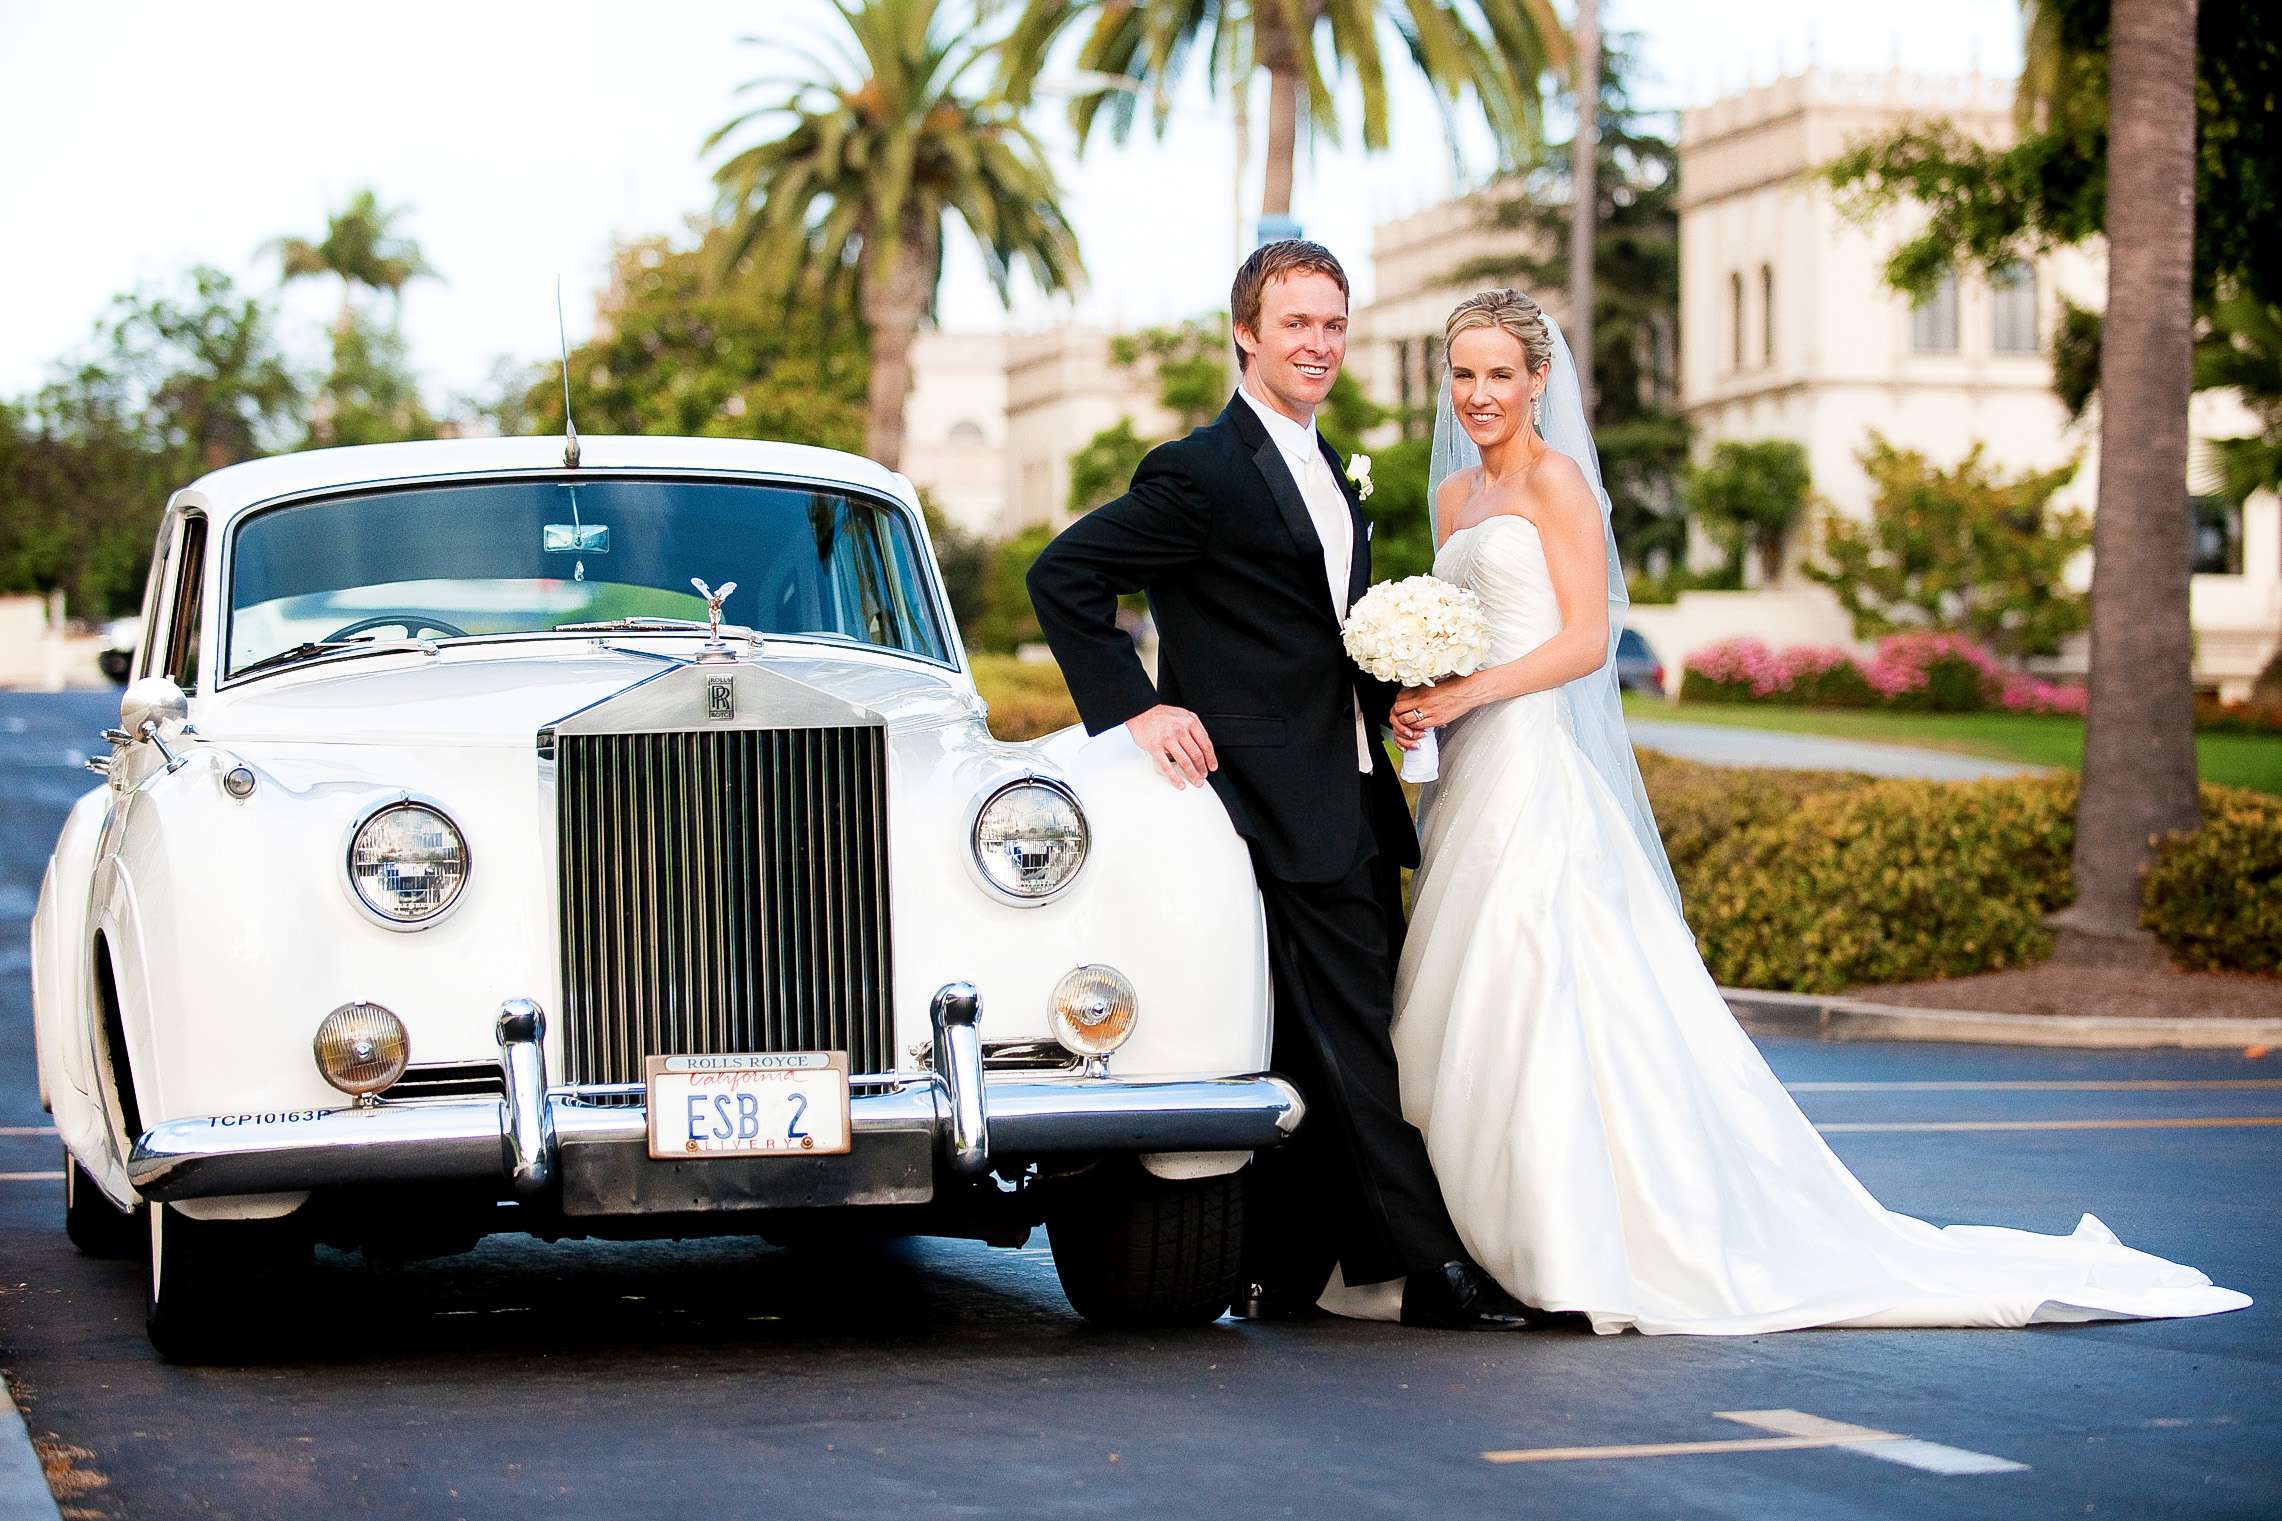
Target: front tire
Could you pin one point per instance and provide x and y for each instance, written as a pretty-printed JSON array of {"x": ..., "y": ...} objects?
[
  {"x": 95, "y": 1225},
  {"x": 219, "y": 1290},
  {"x": 1136, "y": 1250}
]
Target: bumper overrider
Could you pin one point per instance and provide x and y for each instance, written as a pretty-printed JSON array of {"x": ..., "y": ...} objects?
[{"x": 555, "y": 1145}]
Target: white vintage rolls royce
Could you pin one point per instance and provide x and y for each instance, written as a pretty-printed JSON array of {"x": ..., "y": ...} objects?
[{"x": 605, "y": 840}]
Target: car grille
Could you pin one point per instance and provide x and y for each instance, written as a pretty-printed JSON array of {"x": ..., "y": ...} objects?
[{"x": 723, "y": 890}]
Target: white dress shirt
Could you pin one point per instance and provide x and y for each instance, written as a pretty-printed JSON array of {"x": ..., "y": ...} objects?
[{"x": 1327, "y": 509}]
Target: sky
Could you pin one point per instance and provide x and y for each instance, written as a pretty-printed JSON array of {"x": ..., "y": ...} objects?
[{"x": 524, "y": 141}]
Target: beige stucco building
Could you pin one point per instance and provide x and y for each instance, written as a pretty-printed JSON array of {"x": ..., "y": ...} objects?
[{"x": 1788, "y": 330}]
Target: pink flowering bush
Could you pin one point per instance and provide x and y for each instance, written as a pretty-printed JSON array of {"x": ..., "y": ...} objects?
[{"x": 1925, "y": 672}]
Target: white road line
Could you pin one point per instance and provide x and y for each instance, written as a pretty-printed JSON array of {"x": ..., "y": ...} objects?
[
  {"x": 1910, "y": 1452},
  {"x": 27, "y": 1130},
  {"x": 32, "y": 1177},
  {"x": 2210, "y": 1122},
  {"x": 2136, "y": 1085},
  {"x": 1795, "y": 1431}
]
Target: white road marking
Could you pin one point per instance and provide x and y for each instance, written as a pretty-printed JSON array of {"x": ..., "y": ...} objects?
[
  {"x": 1910, "y": 1452},
  {"x": 2136, "y": 1085},
  {"x": 2212, "y": 1122},
  {"x": 27, "y": 1130},
  {"x": 32, "y": 1177},
  {"x": 1795, "y": 1431}
]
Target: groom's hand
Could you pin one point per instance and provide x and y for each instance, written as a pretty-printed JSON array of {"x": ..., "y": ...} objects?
[{"x": 1174, "y": 739}]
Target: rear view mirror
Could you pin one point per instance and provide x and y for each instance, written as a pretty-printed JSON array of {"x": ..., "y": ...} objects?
[{"x": 575, "y": 538}]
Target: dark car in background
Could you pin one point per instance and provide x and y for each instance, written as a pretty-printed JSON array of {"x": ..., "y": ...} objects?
[{"x": 1637, "y": 668}]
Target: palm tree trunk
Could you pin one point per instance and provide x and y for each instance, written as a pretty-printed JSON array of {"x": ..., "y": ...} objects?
[
  {"x": 1584, "y": 199},
  {"x": 2139, "y": 739},
  {"x": 892, "y": 307},
  {"x": 1279, "y": 55}
]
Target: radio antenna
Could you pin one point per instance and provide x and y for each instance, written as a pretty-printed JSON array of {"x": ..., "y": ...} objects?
[{"x": 570, "y": 429}]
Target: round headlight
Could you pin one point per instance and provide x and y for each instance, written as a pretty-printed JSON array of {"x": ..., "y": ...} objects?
[
  {"x": 361, "y": 1048},
  {"x": 1030, "y": 839},
  {"x": 1094, "y": 1009},
  {"x": 407, "y": 863}
]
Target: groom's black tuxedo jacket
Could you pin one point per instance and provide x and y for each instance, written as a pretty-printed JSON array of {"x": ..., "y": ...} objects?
[{"x": 1215, "y": 531}]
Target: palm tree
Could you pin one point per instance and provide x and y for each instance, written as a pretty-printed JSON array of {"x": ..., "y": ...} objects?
[
  {"x": 874, "y": 147},
  {"x": 2139, "y": 737},
  {"x": 1495, "y": 49},
  {"x": 361, "y": 247},
  {"x": 2243, "y": 353}
]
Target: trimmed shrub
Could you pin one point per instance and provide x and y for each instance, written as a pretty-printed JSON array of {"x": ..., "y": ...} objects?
[
  {"x": 2215, "y": 717},
  {"x": 1027, "y": 698},
  {"x": 1891, "y": 881},
  {"x": 1699, "y": 806},
  {"x": 2214, "y": 894}
]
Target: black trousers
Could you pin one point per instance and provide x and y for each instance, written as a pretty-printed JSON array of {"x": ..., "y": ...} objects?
[{"x": 1354, "y": 1185}]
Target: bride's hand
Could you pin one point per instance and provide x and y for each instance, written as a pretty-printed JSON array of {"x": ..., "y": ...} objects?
[{"x": 1420, "y": 709}]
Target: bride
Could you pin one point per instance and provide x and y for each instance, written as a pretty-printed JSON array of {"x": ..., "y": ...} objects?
[{"x": 1608, "y": 1139}]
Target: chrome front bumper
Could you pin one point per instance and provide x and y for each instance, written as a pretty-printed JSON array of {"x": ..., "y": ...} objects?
[{"x": 541, "y": 1143}]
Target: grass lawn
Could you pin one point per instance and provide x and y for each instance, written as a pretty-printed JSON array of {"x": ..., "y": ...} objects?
[{"x": 2236, "y": 760}]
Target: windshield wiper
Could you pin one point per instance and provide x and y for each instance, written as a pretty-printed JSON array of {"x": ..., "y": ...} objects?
[
  {"x": 314, "y": 647},
  {"x": 624, "y": 625}
]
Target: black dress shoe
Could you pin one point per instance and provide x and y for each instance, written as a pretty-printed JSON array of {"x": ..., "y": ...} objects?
[
  {"x": 1458, "y": 1296},
  {"x": 1258, "y": 1301}
]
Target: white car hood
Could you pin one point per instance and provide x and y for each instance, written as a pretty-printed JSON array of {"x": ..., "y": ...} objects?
[{"x": 503, "y": 696}]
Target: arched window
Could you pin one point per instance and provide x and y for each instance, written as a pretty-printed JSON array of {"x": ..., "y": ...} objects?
[
  {"x": 2012, "y": 308},
  {"x": 968, "y": 434},
  {"x": 1767, "y": 314},
  {"x": 1735, "y": 321},
  {"x": 1933, "y": 321}
]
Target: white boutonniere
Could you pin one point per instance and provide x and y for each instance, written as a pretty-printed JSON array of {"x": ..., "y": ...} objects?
[{"x": 1359, "y": 471}]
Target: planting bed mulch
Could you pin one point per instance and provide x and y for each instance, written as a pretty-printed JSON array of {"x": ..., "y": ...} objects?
[{"x": 2162, "y": 992}]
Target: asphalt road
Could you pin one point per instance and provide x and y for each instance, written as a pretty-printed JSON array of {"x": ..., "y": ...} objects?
[{"x": 729, "y": 1379}]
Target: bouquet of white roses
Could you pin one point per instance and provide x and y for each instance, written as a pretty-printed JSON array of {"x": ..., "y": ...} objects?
[{"x": 1416, "y": 632}]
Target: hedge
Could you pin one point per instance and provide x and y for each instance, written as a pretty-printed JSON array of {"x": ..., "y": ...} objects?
[
  {"x": 2214, "y": 894},
  {"x": 1816, "y": 881},
  {"x": 1027, "y": 698}
]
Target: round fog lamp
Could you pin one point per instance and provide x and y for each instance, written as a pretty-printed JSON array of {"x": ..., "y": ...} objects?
[
  {"x": 361, "y": 1048},
  {"x": 407, "y": 863},
  {"x": 1094, "y": 1009},
  {"x": 1030, "y": 839}
]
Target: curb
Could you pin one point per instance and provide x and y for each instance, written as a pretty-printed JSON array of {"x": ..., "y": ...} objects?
[
  {"x": 1823, "y": 1018},
  {"x": 24, "y": 1494}
]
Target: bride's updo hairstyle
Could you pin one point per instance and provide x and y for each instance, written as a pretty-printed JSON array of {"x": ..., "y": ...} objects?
[{"x": 1511, "y": 311}]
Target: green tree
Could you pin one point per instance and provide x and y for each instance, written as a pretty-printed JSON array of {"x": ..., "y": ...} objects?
[
  {"x": 870, "y": 151},
  {"x": 2242, "y": 352},
  {"x": 683, "y": 348},
  {"x": 1495, "y": 51},
  {"x": 1991, "y": 205},
  {"x": 175, "y": 382},
  {"x": 2128, "y": 103},
  {"x": 1965, "y": 549},
  {"x": 1188, "y": 362},
  {"x": 370, "y": 395},
  {"x": 1637, "y": 427},
  {"x": 1750, "y": 495},
  {"x": 1103, "y": 468}
]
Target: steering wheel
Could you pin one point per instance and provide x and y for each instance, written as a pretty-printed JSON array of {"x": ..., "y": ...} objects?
[{"x": 411, "y": 623}]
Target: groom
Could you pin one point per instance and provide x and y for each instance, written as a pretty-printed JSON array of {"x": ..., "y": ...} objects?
[{"x": 1251, "y": 547}]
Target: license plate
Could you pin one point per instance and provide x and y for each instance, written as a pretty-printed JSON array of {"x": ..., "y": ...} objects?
[{"x": 776, "y": 1103}]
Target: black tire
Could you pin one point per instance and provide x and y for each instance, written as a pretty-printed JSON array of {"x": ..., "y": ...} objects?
[
  {"x": 221, "y": 1290},
  {"x": 95, "y": 1225},
  {"x": 1138, "y": 1250}
]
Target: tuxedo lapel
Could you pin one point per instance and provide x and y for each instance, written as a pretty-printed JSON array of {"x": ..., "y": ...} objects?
[
  {"x": 1359, "y": 563},
  {"x": 1252, "y": 437}
]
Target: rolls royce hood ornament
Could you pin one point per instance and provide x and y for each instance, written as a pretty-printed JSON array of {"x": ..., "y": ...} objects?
[{"x": 714, "y": 648}]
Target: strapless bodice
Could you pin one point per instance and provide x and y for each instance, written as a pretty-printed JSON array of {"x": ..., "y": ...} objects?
[{"x": 1501, "y": 559}]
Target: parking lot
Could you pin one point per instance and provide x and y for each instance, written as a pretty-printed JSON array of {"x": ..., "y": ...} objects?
[{"x": 732, "y": 1378}]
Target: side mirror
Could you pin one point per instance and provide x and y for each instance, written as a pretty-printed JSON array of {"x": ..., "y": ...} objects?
[{"x": 154, "y": 699}]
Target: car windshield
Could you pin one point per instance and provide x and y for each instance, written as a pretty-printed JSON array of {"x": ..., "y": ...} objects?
[{"x": 508, "y": 557}]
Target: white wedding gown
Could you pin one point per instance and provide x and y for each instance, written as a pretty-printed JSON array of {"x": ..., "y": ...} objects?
[{"x": 1607, "y": 1138}]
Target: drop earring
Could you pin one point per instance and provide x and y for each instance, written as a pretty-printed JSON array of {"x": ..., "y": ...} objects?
[{"x": 1537, "y": 411}]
